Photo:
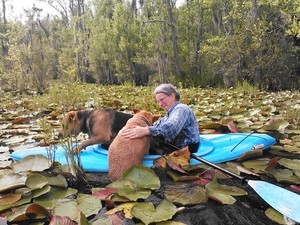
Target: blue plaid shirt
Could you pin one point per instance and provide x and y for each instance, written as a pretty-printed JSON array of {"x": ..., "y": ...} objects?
[{"x": 179, "y": 126}]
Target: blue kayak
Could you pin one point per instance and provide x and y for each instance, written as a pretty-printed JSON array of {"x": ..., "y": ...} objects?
[{"x": 216, "y": 148}]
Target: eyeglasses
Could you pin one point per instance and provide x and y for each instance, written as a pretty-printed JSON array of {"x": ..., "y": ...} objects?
[{"x": 162, "y": 99}]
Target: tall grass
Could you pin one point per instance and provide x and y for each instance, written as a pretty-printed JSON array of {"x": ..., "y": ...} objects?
[
  {"x": 293, "y": 116},
  {"x": 246, "y": 88},
  {"x": 69, "y": 95}
]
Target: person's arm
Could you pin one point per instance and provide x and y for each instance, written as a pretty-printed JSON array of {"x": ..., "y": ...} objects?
[
  {"x": 135, "y": 132},
  {"x": 170, "y": 127}
]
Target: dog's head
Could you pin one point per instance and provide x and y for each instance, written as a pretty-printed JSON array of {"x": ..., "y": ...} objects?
[
  {"x": 148, "y": 116},
  {"x": 70, "y": 124}
]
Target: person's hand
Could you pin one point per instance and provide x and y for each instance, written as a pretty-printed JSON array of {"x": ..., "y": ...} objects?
[{"x": 135, "y": 132}]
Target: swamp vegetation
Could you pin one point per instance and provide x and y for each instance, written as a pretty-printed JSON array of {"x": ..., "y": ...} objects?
[{"x": 35, "y": 191}]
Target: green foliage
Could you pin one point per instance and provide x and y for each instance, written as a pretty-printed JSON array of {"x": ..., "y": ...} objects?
[
  {"x": 292, "y": 115},
  {"x": 11, "y": 65},
  {"x": 65, "y": 96},
  {"x": 69, "y": 95},
  {"x": 148, "y": 214},
  {"x": 49, "y": 139},
  {"x": 219, "y": 43},
  {"x": 247, "y": 88},
  {"x": 48, "y": 131}
]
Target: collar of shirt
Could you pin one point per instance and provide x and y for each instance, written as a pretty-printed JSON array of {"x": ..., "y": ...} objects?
[{"x": 172, "y": 108}]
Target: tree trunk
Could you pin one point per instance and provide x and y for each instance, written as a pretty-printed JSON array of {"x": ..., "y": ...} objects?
[
  {"x": 174, "y": 40},
  {"x": 134, "y": 8},
  {"x": 4, "y": 41},
  {"x": 254, "y": 12},
  {"x": 197, "y": 68},
  {"x": 80, "y": 43}
]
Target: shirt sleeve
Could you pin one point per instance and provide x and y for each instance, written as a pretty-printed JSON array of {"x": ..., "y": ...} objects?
[{"x": 171, "y": 125}]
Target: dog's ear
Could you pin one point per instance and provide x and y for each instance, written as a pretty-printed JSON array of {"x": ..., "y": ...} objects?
[
  {"x": 71, "y": 115},
  {"x": 155, "y": 117},
  {"x": 135, "y": 110}
]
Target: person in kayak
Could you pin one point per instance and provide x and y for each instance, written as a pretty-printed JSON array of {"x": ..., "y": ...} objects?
[{"x": 178, "y": 128}]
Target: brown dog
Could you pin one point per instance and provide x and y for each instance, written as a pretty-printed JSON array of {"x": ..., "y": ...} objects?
[
  {"x": 102, "y": 125},
  {"x": 124, "y": 153}
]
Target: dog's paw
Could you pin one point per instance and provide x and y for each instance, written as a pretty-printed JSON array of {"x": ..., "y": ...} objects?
[{"x": 76, "y": 150}]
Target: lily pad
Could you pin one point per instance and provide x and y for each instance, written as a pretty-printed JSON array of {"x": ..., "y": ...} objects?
[
  {"x": 225, "y": 189},
  {"x": 176, "y": 160},
  {"x": 276, "y": 124},
  {"x": 222, "y": 198},
  {"x": 37, "y": 211},
  {"x": 36, "y": 181},
  {"x": 126, "y": 208},
  {"x": 147, "y": 213},
  {"x": 88, "y": 204},
  {"x": 28, "y": 211},
  {"x": 175, "y": 166},
  {"x": 58, "y": 181},
  {"x": 19, "y": 214},
  {"x": 32, "y": 163},
  {"x": 296, "y": 138},
  {"x": 239, "y": 169},
  {"x": 180, "y": 157},
  {"x": 250, "y": 154},
  {"x": 61, "y": 220},
  {"x": 105, "y": 194},
  {"x": 49, "y": 200},
  {"x": 11, "y": 180},
  {"x": 24, "y": 200},
  {"x": 143, "y": 176},
  {"x": 223, "y": 193},
  {"x": 176, "y": 176},
  {"x": 14, "y": 140},
  {"x": 4, "y": 149},
  {"x": 7, "y": 199},
  {"x": 290, "y": 148},
  {"x": 257, "y": 166},
  {"x": 103, "y": 220},
  {"x": 293, "y": 164},
  {"x": 67, "y": 208},
  {"x": 82, "y": 219},
  {"x": 285, "y": 175},
  {"x": 186, "y": 195},
  {"x": 274, "y": 216},
  {"x": 42, "y": 191},
  {"x": 130, "y": 190}
]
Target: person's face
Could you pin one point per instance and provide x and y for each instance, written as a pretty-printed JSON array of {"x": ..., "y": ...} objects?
[{"x": 165, "y": 101}]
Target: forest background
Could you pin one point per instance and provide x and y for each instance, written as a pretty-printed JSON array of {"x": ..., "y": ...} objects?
[{"x": 215, "y": 43}]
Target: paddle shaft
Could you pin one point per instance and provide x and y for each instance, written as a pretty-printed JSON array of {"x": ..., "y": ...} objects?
[
  {"x": 218, "y": 167},
  {"x": 212, "y": 164},
  {"x": 243, "y": 179}
]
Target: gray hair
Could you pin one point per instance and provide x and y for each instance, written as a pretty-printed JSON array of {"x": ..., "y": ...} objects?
[{"x": 167, "y": 89}]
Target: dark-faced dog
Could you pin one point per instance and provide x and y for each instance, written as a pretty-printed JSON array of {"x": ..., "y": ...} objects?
[
  {"x": 124, "y": 153},
  {"x": 102, "y": 125}
]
